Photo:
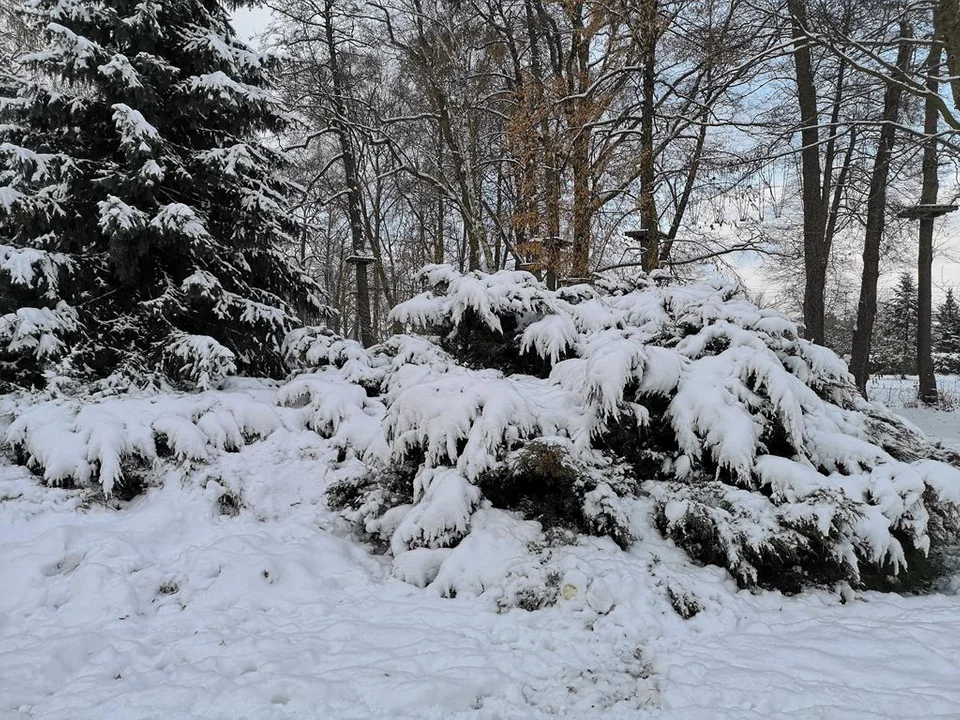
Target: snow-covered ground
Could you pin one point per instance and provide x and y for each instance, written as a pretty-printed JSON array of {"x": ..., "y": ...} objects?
[
  {"x": 178, "y": 606},
  {"x": 900, "y": 394}
]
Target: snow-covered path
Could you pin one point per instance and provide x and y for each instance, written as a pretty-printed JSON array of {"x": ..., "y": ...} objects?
[
  {"x": 169, "y": 610},
  {"x": 880, "y": 657}
]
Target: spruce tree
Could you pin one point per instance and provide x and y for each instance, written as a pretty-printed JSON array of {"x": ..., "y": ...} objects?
[
  {"x": 142, "y": 216},
  {"x": 946, "y": 336},
  {"x": 895, "y": 350}
]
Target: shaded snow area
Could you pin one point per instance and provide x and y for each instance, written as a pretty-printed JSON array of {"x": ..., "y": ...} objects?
[
  {"x": 901, "y": 395},
  {"x": 232, "y": 591},
  {"x": 942, "y": 424}
]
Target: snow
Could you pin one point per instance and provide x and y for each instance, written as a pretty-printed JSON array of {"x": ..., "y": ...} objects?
[
  {"x": 120, "y": 69},
  {"x": 137, "y": 136},
  {"x": 199, "y": 360},
  {"x": 171, "y": 608},
  {"x": 117, "y": 217},
  {"x": 180, "y": 220},
  {"x": 35, "y": 331},
  {"x": 226, "y": 88},
  {"x": 229, "y": 587},
  {"x": 901, "y": 395}
]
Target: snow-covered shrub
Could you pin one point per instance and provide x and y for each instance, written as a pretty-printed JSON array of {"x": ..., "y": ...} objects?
[
  {"x": 586, "y": 410},
  {"x": 314, "y": 347},
  {"x": 759, "y": 453},
  {"x": 340, "y": 411},
  {"x": 115, "y": 441}
]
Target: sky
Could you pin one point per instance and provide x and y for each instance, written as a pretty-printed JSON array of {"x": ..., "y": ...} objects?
[{"x": 250, "y": 21}]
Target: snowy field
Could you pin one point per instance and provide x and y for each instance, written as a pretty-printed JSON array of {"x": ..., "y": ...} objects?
[{"x": 182, "y": 605}]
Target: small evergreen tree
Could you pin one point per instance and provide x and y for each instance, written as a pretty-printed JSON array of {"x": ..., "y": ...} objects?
[
  {"x": 895, "y": 350},
  {"x": 142, "y": 218},
  {"x": 946, "y": 336}
]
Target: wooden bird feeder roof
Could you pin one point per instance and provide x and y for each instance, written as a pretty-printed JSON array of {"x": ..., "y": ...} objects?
[
  {"x": 926, "y": 212},
  {"x": 361, "y": 259}
]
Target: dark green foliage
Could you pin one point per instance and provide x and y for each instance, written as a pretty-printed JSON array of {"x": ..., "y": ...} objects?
[
  {"x": 895, "y": 347},
  {"x": 229, "y": 504},
  {"x": 838, "y": 331},
  {"x": 946, "y": 336},
  {"x": 543, "y": 483},
  {"x": 477, "y": 346},
  {"x": 683, "y": 603},
  {"x": 729, "y": 528},
  {"x": 135, "y": 186},
  {"x": 540, "y": 482}
]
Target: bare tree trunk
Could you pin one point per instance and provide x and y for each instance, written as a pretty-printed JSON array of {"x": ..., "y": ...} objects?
[
  {"x": 578, "y": 73},
  {"x": 815, "y": 252},
  {"x": 648, "y": 202},
  {"x": 351, "y": 175},
  {"x": 580, "y": 165},
  {"x": 552, "y": 182},
  {"x": 876, "y": 219},
  {"x": 927, "y": 391},
  {"x": 947, "y": 23},
  {"x": 438, "y": 239}
]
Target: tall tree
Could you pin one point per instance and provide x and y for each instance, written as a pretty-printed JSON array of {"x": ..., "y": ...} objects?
[
  {"x": 142, "y": 218},
  {"x": 339, "y": 123},
  {"x": 927, "y": 387},
  {"x": 876, "y": 213},
  {"x": 821, "y": 153},
  {"x": 895, "y": 349},
  {"x": 816, "y": 250},
  {"x": 947, "y": 27}
]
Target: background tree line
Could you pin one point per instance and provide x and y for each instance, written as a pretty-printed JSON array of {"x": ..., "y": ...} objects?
[{"x": 533, "y": 133}]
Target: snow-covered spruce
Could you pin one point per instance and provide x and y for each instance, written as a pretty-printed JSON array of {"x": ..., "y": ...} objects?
[{"x": 138, "y": 203}]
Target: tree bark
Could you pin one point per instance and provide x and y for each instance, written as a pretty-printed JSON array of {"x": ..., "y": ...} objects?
[
  {"x": 876, "y": 219},
  {"x": 815, "y": 251},
  {"x": 578, "y": 72},
  {"x": 927, "y": 391},
  {"x": 947, "y": 25},
  {"x": 648, "y": 202},
  {"x": 351, "y": 176}
]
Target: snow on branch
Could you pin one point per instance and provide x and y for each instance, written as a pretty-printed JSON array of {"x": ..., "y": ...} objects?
[
  {"x": 30, "y": 267},
  {"x": 137, "y": 136},
  {"x": 108, "y": 441},
  {"x": 198, "y": 361}
]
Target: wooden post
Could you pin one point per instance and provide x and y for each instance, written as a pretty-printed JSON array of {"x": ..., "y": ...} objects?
[
  {"x": 364, "y": 329},
  {"x": 552, "y": 248}
]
